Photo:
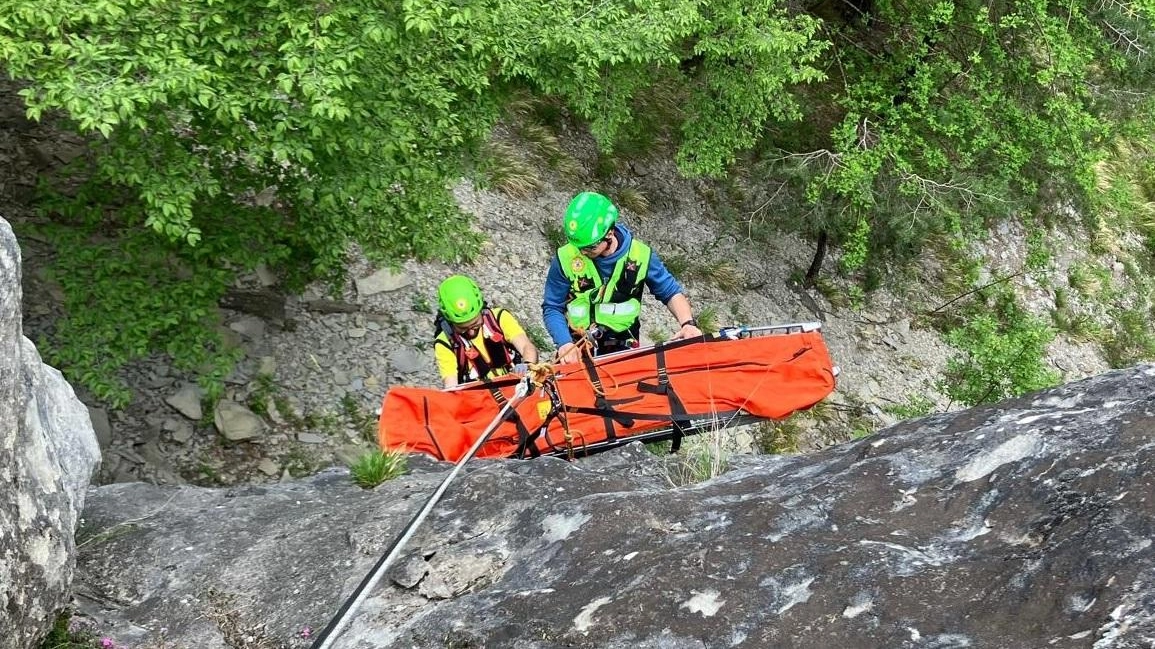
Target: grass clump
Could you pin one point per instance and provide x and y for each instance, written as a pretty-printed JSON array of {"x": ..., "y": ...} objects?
[
  {"x": 708, "y": 320},
  {"x": 264, "y": 390},
  {"x": 657, "y": 335},
  {"x": 553, "y": 232},
  {"x": 778, "y": 437},
  {"x": 702, "y": 457},
  {"x": 358, "y": 418},
  {"x": 632, "y": 199},
  {"x": 916, "y": 406},
  {"x": 374, "y": 467},
  {"x": 504, "y": 169},
  {"x": 1131, "y": 339},
  {"x": 861, "y": 427}
]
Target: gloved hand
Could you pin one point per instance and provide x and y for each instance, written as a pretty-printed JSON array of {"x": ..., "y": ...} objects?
[{"x": 521, "y": 368}]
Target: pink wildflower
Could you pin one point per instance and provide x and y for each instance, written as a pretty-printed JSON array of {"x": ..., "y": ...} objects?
[
  {"x": 306, "y": 632},
  {"x": 107, "y": 643}
]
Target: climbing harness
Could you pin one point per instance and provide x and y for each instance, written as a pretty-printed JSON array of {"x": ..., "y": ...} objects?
[{"x": 471, "y": 363}]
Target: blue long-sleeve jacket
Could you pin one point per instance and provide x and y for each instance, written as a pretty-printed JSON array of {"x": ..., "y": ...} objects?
[{"x": 661, "y": 283}]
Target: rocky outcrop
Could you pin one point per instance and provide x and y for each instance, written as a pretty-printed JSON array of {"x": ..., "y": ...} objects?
[
  {"x": 1025, "y": 524},
  {"x": 48, "y": 452}
]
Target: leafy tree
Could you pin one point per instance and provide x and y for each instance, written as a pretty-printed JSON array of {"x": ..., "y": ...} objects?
[
  {"x": 237, "y": 132},
  {"x": 940, "y": 116}
]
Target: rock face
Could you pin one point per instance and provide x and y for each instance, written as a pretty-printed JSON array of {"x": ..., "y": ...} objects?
[
  {"x": 48, "y": 452},
  {"x": 1024, "y": 524}
]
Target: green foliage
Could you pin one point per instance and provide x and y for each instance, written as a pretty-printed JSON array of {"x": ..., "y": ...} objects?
[
  {"x": 939, "y": 117},
  {"x": 917, "y": 405},
  {"x": 540, "y": 339},
  {"x": 69, "y": 633},
  {"x": 1038, "y": 250},
  {"x": 778, "y": 437},
  {"x": 1001, "y": 352},
  {"x": 276, "y": 132},
  {"x": 744, "y": 65},
  {"x": 659, "y": 448},
  {"x": 702, "y": 457},
  {"x": 708, "y": 320},
  {"x": 233, "y": 134},
  {"x": 856, "y": 296},
  {"x": 1131, "y": 339},
  {"x": 855, "y": 246},
  {"x": 374, "y": 467},
  {"x": 129, "y": 295}
]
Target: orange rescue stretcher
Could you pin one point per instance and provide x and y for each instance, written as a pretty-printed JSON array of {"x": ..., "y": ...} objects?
[{"x": 663, "y": 392}]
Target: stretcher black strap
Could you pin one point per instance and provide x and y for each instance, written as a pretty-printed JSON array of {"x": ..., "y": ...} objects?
[
  {"x": 588, "y": 448},
  {"x": 523, "y": 433},
  {"x": 625, "y": 418},
  {"x": 528, "y": 447},
  {"x": 429, "y": 431},
  {"x": 678, "y": 416},
  {"x": 527, "y": 441},
  {"x": 556, "y": 411},
  {"x": 600, "y": 401}
]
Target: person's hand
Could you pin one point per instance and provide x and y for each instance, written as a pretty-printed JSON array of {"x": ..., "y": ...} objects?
[
  {"x": 568, "y": 353},
  {"x": 688, "y": 330}
]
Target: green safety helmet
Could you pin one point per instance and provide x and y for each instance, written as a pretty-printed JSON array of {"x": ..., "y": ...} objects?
[
  {"x": 588, "y": 218},
  {"x": 459, "y": 299}
]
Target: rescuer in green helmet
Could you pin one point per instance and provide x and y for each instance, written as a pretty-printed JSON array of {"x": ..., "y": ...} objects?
[
  {"x": 598, "y": 277},
  {"x": 476, "y": 342}
]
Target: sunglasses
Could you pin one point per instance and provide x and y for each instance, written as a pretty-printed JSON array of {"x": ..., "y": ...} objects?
[
  {"x": 468, "y": 330},
  {"x": 593, "y": 246}
]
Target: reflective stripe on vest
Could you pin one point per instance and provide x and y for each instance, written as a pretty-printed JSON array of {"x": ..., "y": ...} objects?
[{"x": 616, "y": 304}]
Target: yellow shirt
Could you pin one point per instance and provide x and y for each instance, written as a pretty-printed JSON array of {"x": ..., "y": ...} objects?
[{"x": 447, "y": 360}]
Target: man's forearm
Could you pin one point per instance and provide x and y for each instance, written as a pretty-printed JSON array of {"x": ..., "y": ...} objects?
[{"x": 679, "y": 306}]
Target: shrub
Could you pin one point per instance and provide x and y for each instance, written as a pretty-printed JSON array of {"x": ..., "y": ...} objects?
[
  {"x": 1131, "y": 340},
  {"x": 1000, "y": 355},
  {"x": 777, "y": 437},
  {"x": 375, "y": 467}
]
